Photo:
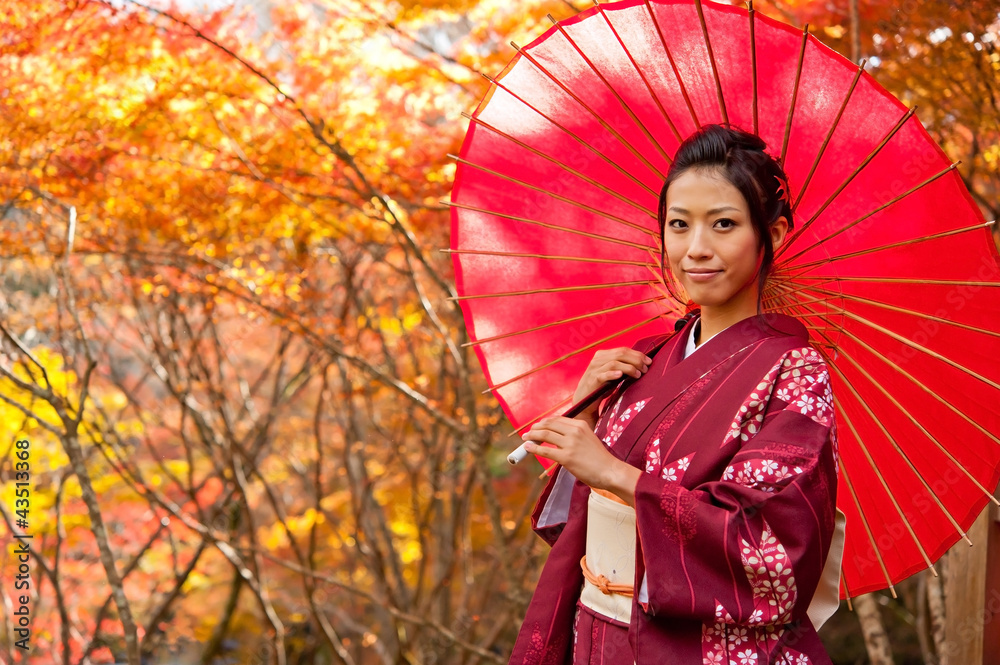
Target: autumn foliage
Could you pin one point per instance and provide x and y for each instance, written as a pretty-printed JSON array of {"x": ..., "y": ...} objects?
[{"x": 226, "y": 326}]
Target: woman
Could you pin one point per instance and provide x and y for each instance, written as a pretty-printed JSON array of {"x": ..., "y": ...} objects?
[{"x": 721, "y": 452}]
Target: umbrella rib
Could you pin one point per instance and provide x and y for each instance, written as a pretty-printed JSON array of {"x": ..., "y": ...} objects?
[
  {"x": 937, "y": 444},
  {"x": 864, "y": 521},
  {"x": 625, "y": 144},
  {"x": 642, "y": 75},
  {"x": 624, "y": 104},
  {"x": 560, "y": 289},
  {"x": 573, "y": 136},
  {"x": 923, "y": 349},
  {"x": 543, "y": 414},
  {"x": 554, "y": 227},
  {"x": 786, "y": 285},
  {"x": 673, "y": 65},
  {"x": 711, "y": 60},
  {"x": 901, "y": 280},
  {"x": 903, "y": 310},
  {"x": 548, "y": 257},
  {"x": 877, "y": 210},
  {"x": 751, "y": 12},
  {"x": 795, "y": 94},
  {"x": 916, "y": 382},
  {"x": 829, "y": 136},
  {"x": 578, "y": 317},
  {"x": 885, "y": 140},
  {"x": 827, "y": 300},
  {"x": 569, "y": 355},
  {"x": 807, "y": 267},
  {"x": 820, "y": 346},
  {"x": 790, "y": 306},
  {"x": 847, "y": 588},
  {"x": 559, "y": 197}
]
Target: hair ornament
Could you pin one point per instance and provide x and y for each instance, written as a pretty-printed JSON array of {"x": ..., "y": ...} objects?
[{"x": 782, "y": 189}]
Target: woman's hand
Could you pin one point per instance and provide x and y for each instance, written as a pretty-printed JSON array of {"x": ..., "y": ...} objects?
[
  {"x": 574, "y": 445},
  {"x": 608, "y": 365}
]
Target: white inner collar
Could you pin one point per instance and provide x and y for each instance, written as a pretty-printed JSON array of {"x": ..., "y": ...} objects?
[{"x": 691, "y": 347}]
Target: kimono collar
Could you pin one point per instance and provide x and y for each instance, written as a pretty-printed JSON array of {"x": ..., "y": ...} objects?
[
  {"x": 738, "y": 336},
  {"x": 691, "y": 346}
]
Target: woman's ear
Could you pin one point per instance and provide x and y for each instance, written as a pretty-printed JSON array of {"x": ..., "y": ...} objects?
[{"x": 778, "y": 231}]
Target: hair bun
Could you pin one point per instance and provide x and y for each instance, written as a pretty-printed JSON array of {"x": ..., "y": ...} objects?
[{"x": 738, "y": 138}]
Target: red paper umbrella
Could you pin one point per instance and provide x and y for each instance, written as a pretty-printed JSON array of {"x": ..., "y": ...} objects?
[{"x": 891, "y": 266}]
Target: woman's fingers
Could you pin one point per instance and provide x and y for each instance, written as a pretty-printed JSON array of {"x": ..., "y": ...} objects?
[
  {"x": 547, "y": 427},
  {"x": 551, "y": 430},
  {"x": 540, "y": 450},
  {"x": 629, "y": 357},
  {"x": 616, "y": 369},
  {"x": 611, "y": 375},
  {"x": 621, "y": 354},
  {"x": 541, "y": 446},
  {"x": 554, "y": 433},
  {"x": 610, "y": 365},
  {"x": 627, "y": 368},
  {"x": 571, "y": 443}
]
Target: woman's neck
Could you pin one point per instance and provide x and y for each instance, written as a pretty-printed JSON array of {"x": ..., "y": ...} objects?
[{"x": 715, "y": 319}]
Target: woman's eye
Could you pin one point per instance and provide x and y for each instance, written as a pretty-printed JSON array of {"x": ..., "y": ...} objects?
[
  {"x": 677, "y": 224},
  {"x": 725, "y": 223}
]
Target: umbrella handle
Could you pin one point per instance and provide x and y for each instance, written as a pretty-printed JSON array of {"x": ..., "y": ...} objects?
[{"x": 520, "y": 453}]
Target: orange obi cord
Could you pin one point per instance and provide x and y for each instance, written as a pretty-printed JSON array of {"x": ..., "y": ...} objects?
[{"x": 603, "y": 583}]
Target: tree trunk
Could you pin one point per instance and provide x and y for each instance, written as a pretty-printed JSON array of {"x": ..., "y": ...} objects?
[
  {"x": 935, "y": 607},
  {"x": 855, "y": 32},
  {"x": 876, "y": 639},
  {"x": 964, "y": 582},
  {"x": 923, "y": 621},
  {"x": 71, "y": 444}
]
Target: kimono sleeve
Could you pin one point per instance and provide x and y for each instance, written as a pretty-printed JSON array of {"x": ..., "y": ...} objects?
[{"x": 749, "y": 548}]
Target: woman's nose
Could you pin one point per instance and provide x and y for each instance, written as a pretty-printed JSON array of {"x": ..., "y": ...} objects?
[{"x": 700, "y": 246}]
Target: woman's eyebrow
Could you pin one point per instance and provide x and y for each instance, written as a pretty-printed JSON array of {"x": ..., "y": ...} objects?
[{"x": 710, "y": 212}]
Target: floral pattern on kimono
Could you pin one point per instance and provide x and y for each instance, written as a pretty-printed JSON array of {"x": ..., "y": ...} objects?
[
  {"x": 619, "y": 422},
  {"x": 770, "y": 575},
  {"x": 801, "y": 380},
  {"x": 673, "y": 471}
]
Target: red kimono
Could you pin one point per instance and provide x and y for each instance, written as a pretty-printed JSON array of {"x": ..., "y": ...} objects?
[{"x": 734, "y": 514}]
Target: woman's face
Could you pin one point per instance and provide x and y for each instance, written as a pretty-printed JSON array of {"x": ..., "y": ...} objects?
[{"x": 710, "y": 241}]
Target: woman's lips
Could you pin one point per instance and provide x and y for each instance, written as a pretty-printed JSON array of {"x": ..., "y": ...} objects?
[{"x": 701, "y": 275}]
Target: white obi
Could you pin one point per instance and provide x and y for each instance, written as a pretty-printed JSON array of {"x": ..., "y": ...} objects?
[{"x": 610, "y": 552}]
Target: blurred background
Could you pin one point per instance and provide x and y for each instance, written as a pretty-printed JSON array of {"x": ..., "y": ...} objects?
[{"x": 226, "y": 331}]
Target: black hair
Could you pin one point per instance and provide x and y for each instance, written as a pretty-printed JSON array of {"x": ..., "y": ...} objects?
[{"x": 741, "y": 159}]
